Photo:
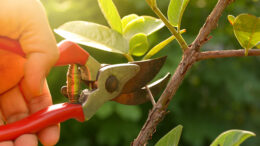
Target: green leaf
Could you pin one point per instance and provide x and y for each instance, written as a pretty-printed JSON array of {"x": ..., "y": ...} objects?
[
  {"x": 172, "y": 138},
  {"x": 127, "y": 19},
  {"x": 138, "y": 44},
  {"x": 175, "y": 11},
  {"x": 247, "y": 30},
  {"x": 111, "y": 14},
  {"x": 132, "y": 113},
  {"x": 94, "y": 35},
  {"x": 143, "y": 24},
  {"x": 231, "y": 19},
  {"x": 232, "y": 138},
  {"x": 160, "y": 46}
]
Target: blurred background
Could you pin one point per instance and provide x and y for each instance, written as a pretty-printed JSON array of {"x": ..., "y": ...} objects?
[{"x": 216, "y": 95}]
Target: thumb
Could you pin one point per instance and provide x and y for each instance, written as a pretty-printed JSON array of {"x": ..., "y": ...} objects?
[{"x": 26, "y": 21}]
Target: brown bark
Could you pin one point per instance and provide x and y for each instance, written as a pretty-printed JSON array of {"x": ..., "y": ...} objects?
[{"x": 226, "y": 53}]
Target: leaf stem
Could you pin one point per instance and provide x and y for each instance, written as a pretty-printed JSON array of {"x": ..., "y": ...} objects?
[
  {"x": 178, "y": 36},
  {"x": 129, "y": 57}
]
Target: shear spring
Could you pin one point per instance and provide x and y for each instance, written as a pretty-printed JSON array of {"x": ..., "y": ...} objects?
[{"x": 73, "y": 83}]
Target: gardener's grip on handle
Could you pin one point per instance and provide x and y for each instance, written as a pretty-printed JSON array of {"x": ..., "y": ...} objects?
[
  {"x": 49, "y": 116},
  {"x": 70, "y": 53}
]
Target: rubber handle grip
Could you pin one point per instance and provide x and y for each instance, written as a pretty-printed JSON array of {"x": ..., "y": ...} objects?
[
  {"x": 46, "y": 117},
  {"x": 70, "y": 52}
]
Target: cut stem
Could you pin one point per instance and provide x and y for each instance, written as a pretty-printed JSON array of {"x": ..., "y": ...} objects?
[{"x": 150, "y": 95}]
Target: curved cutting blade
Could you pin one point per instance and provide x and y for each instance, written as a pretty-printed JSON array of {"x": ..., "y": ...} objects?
[
  {"x": 111, "y": 81},
  {"x": 141, "y": 96},
  {"x": 148, "y": 70}
]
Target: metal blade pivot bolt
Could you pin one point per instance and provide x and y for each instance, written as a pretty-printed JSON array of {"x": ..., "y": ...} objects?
[{"x": 111, "y": 83}]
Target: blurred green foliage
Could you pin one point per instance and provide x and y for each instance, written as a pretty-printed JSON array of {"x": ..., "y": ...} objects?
[{"x": 216, "y": 95}]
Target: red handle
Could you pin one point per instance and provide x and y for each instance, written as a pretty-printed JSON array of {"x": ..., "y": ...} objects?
[
  {"x": 70, "y": 52},
  {"x": 11, "y": 45},
  {"x": 49, "y": 116}
]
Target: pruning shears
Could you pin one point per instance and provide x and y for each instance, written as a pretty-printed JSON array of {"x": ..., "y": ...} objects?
[{"x": 124, "y": 83}]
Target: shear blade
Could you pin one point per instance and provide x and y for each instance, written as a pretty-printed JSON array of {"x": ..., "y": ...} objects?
[
  {"x": 148, "y": 70},
  {"x": 141, "y": 96}
]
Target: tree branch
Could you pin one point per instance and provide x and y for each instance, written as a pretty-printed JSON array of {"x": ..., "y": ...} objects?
[
  {"x": 226, "y": 53},
  {"x": 189, "y": 57},
  {"x": 210, "y": 24},
  {"x": 159, "y": 110}
]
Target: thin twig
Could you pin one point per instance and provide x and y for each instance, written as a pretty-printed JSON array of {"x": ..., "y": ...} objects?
[
  {"x": 226, "y": 53},
  {"x": 189, "y": 57},
  {"x": 150, "y": 95},
  {"x": 178, "y": 36}
]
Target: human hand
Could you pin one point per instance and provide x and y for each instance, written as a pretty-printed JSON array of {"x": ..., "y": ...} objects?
[{"x": 23, "y": 88}]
